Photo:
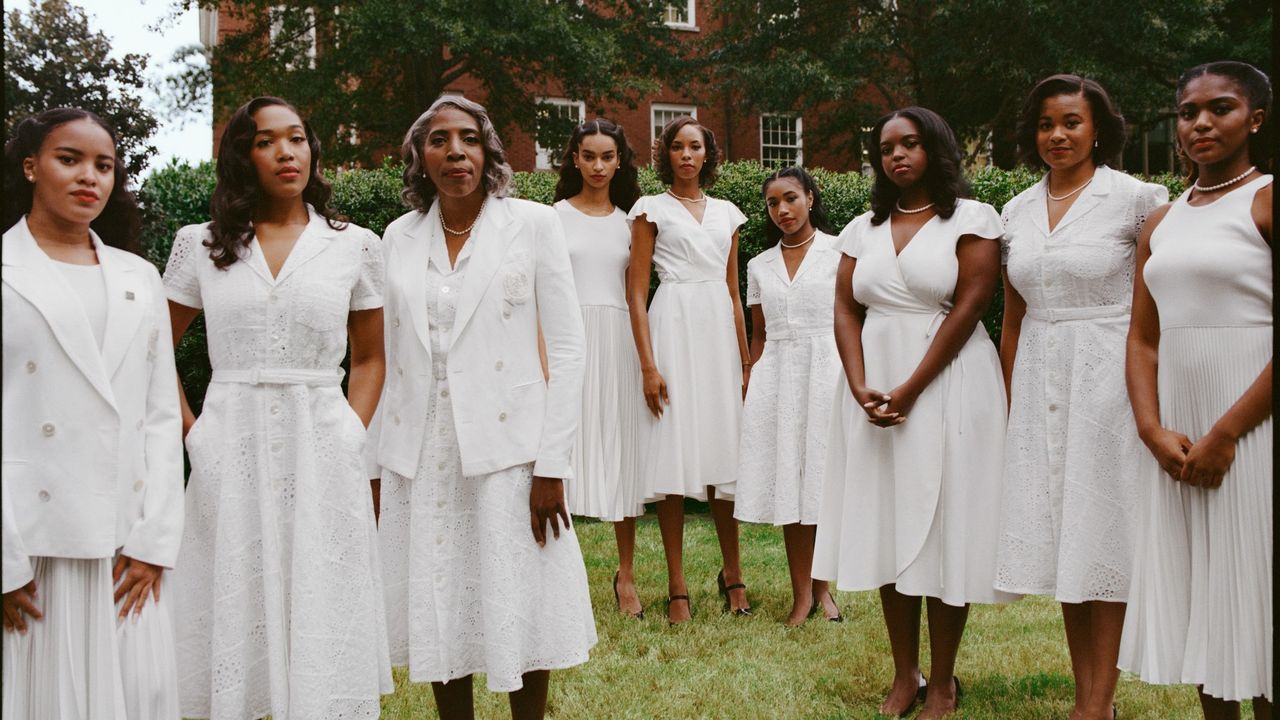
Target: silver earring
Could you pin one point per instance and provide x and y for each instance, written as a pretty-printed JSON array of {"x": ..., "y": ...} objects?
[{"x": 1095, "y": 143}]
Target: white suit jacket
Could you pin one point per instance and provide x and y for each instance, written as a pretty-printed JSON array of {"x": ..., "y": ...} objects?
[
  {"x": 92, "y": 438},
  {"x": 505, "y": 413}
]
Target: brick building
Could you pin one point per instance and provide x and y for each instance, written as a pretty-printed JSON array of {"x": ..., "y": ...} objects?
[{"x": 772, "y": 138}]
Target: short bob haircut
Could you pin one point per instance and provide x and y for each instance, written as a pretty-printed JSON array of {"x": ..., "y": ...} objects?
[
  {"x": 943, "y": 176},
  {"x": 119, "y": 224},
  {"x": 1256, "y": 87},
  {"x": 817, "y": 212},
  {"x": 419, "y": 192},
  {"x": 237, "y": 192},
  {"x": 1107, "y": 120},
  {"x": 662, "y": 159},
  {"x": 624, "y": 188}
]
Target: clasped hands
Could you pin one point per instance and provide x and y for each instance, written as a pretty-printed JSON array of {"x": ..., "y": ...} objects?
[
  {"x": 1203, "y": 463},
  {"x": 886, "y": 409}
]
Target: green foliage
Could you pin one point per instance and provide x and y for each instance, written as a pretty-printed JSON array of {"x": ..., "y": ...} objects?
[
  {"x": 371, "y": 198},
  {"x": 53, "y": 59}
]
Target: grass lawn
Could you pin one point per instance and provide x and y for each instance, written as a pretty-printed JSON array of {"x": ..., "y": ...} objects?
[{"x": 1013, "y": 662}]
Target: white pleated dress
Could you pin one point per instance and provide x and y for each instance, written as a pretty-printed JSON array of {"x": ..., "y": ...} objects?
[
  {"x": 695, "y": 346},
  {"x": 277, "y": 593},
  {"x": 606, "y": 451},
  {"x": 1200, "y": 604},
  {"x": 1072, "y": 451},
  {"x": 468, "y": 589},
  {"x": 914, "y": 504},
  {"x": 786, "y": 418}
]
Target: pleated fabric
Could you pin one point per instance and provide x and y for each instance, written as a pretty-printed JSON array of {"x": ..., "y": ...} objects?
[
  {"x": 1200, "y": 608},
  {"x": 78, "y": 663},
  {"x": 606, "y": 452}
]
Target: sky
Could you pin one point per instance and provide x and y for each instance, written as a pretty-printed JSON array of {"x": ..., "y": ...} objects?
[{"x": 149, "y": 27}]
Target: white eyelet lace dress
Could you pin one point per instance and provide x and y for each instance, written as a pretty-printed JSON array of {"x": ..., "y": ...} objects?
[
  {"x": 787, "y": 414},
  {"x": 277, "y": 592},
  {"x": 1072, "y": 450},
  {"x": 1200, "y": 606}
]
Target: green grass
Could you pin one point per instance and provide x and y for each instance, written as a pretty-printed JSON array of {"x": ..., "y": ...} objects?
[{"x": 1013, "y": 662}]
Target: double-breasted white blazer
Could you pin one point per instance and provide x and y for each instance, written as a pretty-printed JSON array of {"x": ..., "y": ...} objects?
[
  {"x": 92, "y": 438},
  {"x": 506, "y": 413}
]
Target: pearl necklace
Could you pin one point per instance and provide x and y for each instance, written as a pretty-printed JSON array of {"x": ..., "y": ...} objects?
[
  {"x": 1221, "y": 185},
  {"x": 692, "y": 200},
  {"x": 1057, "y": 198},
  {"x": 800, "y": 244},
  {"x": 912, "y": 211},
  {"x": 467, "y": 229}
]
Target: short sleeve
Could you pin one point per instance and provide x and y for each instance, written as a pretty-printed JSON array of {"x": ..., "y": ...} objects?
[
  {"x": 181, "y": 273},
  {"x": 850, "y": 239},
  {"x": 1005, "y": 238},
  {"x": 644, "y": 206},
  {"x": 753, "y": 283},
  {"x": 736, "y": 217},
  {"x": 367, "y": 294},
  {"x": 978, "y": 218},
  {"x": 1149, "y": 197}
]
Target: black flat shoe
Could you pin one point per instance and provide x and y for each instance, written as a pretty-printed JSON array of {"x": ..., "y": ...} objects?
[
  {"x": 725, "y": 590},
  {"x": 921, "y": 692},
  {"x": 677, "y": 598},
  {"x": 636, "y": 615}
]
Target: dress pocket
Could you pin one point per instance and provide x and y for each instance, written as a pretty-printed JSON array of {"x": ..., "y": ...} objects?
[{"x": 321, "y": 311}]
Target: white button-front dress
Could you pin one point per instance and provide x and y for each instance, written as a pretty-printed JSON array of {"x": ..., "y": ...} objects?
[
  {"x": 278, "y": 596},
  {"x": 914, "y": 504},
  {"x": 787, "y": 414}
]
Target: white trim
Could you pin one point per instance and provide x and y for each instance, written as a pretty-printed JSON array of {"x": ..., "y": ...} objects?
[
  {"x": 277, "y": 24},
  {"x": 690, "y": 10},
  {"x": 655, "y": 127},
  {"x": 542, "y": 156},
  {"x": 799, "y": 131},
  {"x": 208, "y": 28}
]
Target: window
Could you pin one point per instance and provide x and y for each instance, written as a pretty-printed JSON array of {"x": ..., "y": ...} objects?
[
  {"x": 661, "y": 114},
  {"x": 556, "y": 118},
  {"x": 780, "y": 140},
  {"x": 306, "y": 33},
  {"x": 680, "y": 14}
]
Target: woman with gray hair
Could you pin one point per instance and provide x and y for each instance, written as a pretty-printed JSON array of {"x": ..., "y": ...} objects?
[{"x": 483, "y": 572}]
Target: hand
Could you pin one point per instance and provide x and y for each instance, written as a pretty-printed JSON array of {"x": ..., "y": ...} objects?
[
  {"x": 1209, "y": 459},
  {"x": 546, "y": 504},
  {"x": 1170, "y": 450},
  {"x": 871, "y": 401},
  {"x": 901, "y": 400},
  {"x": 139, "y": 578},
  {"x": 18, "y": 603},
  {"x": 655, "y": 392}
]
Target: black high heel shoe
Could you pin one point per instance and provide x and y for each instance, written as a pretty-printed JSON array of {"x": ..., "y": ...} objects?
[
  {"x": 636, "y": 615},
  {"x": 725, "y": 590},
  {"x": 677, "y": 598}
]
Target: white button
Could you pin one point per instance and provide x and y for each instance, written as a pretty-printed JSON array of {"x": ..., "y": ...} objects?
[
  {"x": 1053, "y": 407},
  {"x": 396, "y": 419},
  {"x": 273, "y": 297},
  {"x": 275, "y": 337},
  {"x": 439, "y": 539},
  {"x": 445, "y": 289},
  {"x": 137, "y": 486},
  {"x": 440, "y": 579},
  {"x": 497, "y": 365},
  {"x": 506, "y": 314},
  {"x": 440, "y": 503},
  {"x": 395, "y": 322},
  {"x": 439, "y": 466},
  {"x": 502, "y": 417},
  {"x": 399, "y": 370},
  {"x": 275, "y": 409},
  {"x": 31, "y": 366},
  {"x": 444, "y": 393},
  {"x": 276, "y": 445},
  {"x": 47, "y": 429},
  {"x": 43, "y": 495},
  {"x": 138, "y": 424}
]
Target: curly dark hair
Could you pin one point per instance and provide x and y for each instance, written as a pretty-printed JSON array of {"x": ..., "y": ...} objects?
[
  {"x": 1106, "y": 118},
  {"x": 817, "y": 213},
  {"x": 237, "y": 193},
  {"x": 943, "y": 176},
  {"x": 118, "y": 225},
  {"x": 662, "y": 158},
  {"x": 624, "y": 188},
  {"x": 419, "y": 192},
  {"x": 1256, "y": 87}
]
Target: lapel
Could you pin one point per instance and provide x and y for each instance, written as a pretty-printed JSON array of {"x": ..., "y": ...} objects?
[
  {"x": 493, "y": 235},
  {"x": 315, "y": 238},
  {"x": 1089, "y": 198},
  {"x": 773, "y": 260},
  {"x": 817, "y": 251},
  {"x": 410, "y": 252},
  {"x": 32, "y": 274},
  {"x": 126, "y": 306},
  {"x": 1040, "y": 205}
]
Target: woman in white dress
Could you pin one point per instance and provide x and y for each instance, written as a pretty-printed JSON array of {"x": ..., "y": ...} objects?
[
  {"x": 92, "y": 471},
  {"x": 475, "y": 441},
  {"x": 912, "y": 480},
  {"x": 597, "y": 187},
  {"x": 1071, "y": 456},
  {"x": 787, "y": 413},
  {"x": 692, "y": 344},
  {"x": 1199, "y": 373},
  {"x": 278, "y": 595}
]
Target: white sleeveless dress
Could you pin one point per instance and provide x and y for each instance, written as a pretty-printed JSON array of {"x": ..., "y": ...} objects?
[
  {"x": 1200, "y": 605},
  {"x": 695, "y": 345},
  {"x": 606, "y": 452},
  {"x": 915, "y": 504}
]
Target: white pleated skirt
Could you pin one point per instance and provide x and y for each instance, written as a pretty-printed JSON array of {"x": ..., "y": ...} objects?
[
  {"x": 606, "y": 453},
  {"x": 79, "y": 663},
  {"x": 1200, "y": 605}
]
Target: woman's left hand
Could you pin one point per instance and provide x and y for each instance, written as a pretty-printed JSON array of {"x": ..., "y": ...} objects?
[
  {"x": 546, "y": 504},
  {"x": 901, "y": 400},
  {"x": 139, "y": 578},
  {"x": 1209, "y": 459}
]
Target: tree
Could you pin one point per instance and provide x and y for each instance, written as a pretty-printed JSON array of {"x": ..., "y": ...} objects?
[
  {"x": 52, "y": 59},
  {"x": 367, "y": 69},
  {"x": 973, "y": 61}
]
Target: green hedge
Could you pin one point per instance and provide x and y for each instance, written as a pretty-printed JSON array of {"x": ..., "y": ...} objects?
[{"x": 179, "y": 195}]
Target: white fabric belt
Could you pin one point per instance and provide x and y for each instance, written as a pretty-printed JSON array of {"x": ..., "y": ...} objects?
[
  {"x": 280, "y": 376},
  {"x": 675, "y": 281},
  {"x": 797, "y": 334},
  {"x": 1078, "y": 313}
]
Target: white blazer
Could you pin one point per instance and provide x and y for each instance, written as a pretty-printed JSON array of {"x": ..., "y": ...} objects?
[
  {"x": 92, "y": 438},
  {"x": 505, "y": 413}
]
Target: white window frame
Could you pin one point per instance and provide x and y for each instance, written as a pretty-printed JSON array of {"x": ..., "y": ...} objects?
[
  {"x": 276, "y": 25},
  {"x": 799, "y": 146},
  {"x": 542, "y": 156},
  {"x": 655, "y": 127},
  {"x": 690, "y": 11}
]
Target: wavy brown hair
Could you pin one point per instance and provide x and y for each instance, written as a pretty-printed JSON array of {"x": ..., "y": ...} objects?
[
  {"x": 1107, "y": 120},
  {"x": 419, "y": 192},
  {"x": 624, "y": 188},
  {"x": 238, "y": 192},
  {"x": 662, "y": 157}
]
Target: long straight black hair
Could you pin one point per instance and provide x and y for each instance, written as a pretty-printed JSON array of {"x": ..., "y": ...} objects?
[{"x": 624, "y": 188}]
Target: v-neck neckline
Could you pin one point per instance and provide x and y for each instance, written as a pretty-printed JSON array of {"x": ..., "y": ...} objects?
[
  {"x": 256, "y": 248},
  {"x": 911, "y": 240},
  {"x": 705, "y": 207},
  {"x": 791, "y": 279}
]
